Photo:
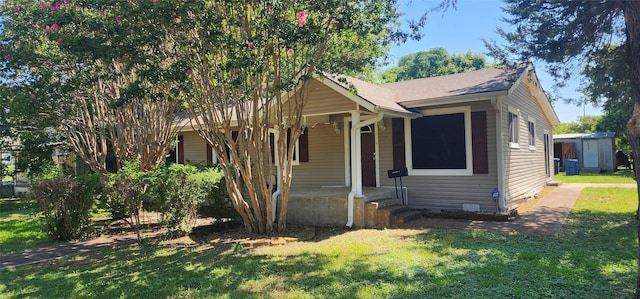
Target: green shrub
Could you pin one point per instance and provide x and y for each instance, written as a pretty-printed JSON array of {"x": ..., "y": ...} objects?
[
  {"x": 123, "y": 190},
  {"x": 177, "y": 191},
  {"x": 66, "y": 204},
  {"x": 217, "y": 203},
  {"x": 172, "y": 193}
]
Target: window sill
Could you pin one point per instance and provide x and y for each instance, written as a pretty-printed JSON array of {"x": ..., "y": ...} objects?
[
  {"x": 514, "y": 145},
  {"x": 532, "y": 147},
  {"x": 441, "y": 172}
]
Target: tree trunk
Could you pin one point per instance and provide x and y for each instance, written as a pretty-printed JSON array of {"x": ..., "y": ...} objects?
[{"x": 632, "y": 30}]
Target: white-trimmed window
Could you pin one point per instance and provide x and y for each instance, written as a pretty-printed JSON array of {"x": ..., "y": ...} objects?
[
  {"x": 514, "y": 127},
  {"x": 531, "y": 127},
  {"x": 439, "y": 143},
  {"x": 301, "y": 142}
]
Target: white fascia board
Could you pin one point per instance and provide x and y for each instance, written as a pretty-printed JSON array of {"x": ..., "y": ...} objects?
[{"x": 476, "y": 97}]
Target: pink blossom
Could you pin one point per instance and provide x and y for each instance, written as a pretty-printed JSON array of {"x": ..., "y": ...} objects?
[
  {"x": 112, "y": 91},
  {"x": 155, "y": 1},
  {"x": 43, "y": 5},
  {"x": 17, "y": 8},
  {"x": 33, "y": 69},
  {"x": 118, "y": 19},
  {"x": 302, "y": 18},
  {"x": 53, "y": 27},
  {"x": 188, "y": 72},
  {"x": 56, "y": 7},
  {"x": 251, "y": 45},
  {"x": 59, "y": 41},
  {"x": 33, "y": 96},
  {"x": 289, "y": 52},
  {"x": 347, "y": 56}
]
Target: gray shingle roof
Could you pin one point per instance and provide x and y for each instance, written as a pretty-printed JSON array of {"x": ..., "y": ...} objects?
[
  {"x": 375, "y": 94},
  {"x": 472, "y": 82}
]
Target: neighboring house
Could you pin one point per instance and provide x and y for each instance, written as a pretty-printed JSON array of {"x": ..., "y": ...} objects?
[
  {"x": 595, "y": 152},
  {"x": 465, "y": 139}
]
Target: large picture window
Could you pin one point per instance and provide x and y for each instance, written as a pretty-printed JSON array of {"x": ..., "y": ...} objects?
[{"x": 440, "y": 143}]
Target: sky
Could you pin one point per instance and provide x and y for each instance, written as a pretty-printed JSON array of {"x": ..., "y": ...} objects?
[{"x": 464, "y": 28}]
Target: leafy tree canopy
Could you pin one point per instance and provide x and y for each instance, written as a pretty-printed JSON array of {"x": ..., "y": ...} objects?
[
  {"x": 585, "y": 124},
  {"x": 94, "y": 67},
  {"x": 435, "y": 62}
]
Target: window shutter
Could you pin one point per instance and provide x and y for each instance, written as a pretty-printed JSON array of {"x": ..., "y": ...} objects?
[
  {"x": 397, "y": 133},
  {"x": 303, "y": 142},
  {"x": 209, "y": 154},
  {"x": 479, "y": 142},
  {"x": 272, "y": 144},
  {"x": 180, "y": 149}
]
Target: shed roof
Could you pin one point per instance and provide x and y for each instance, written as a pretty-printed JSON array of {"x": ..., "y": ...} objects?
[{"x": 595, "y": 135}]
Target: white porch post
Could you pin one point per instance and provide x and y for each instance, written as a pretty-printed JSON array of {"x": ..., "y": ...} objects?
[
  {"x": 356, "y": 160},
  {"x": 276, "y": 194}
]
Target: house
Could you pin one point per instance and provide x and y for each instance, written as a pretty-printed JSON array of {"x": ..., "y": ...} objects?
[
  {"x": 595, "y": 152},
  {"x": 475, "y": 141}
]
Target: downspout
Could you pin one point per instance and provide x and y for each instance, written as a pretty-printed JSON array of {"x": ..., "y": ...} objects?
[
  {"x": 497, "y": 104},
  {"x": 274, "y": 196},
  {"x": 356, "y": 170}
]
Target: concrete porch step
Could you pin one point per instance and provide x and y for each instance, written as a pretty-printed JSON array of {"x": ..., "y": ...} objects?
[
  {"x": 383, "y": 203},
  {"x": 380, "y": 213},
  {"x": 398, "y": 220}
]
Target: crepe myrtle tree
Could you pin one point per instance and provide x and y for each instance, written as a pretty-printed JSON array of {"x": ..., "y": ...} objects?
[
  {"x": 239, "y": 69},
  {"x": 248, "y": 67},
  {"x": 99, "y": 78},
  {"x": 80, "y": 67}
]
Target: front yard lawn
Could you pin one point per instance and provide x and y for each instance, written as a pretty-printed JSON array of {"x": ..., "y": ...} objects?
[
  {"x": 20, "y": 225},
  {"x": 594, "y": 257},
  {"x": 620, "y": 177}
]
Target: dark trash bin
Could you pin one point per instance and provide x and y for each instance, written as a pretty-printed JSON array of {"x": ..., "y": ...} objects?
[
  {"x": 556, "y": 165},
  {"x": 571, "y": 167}
]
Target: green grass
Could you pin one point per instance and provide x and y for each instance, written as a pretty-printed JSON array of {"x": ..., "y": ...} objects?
[
  {"x": 20, "y": 225},
  {"x": 594, "y": 257},
  {"x": 620, "y": 177}
]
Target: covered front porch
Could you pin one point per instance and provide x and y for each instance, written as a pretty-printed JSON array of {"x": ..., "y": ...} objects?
[
  {"x": 342, "y": 150},
  {"x": 328, "y": 206}
]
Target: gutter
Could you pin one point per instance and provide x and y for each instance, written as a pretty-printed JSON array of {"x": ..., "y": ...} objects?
[
  {"x": 356, "y": 179},
  {"x": 497, "y": 105}
]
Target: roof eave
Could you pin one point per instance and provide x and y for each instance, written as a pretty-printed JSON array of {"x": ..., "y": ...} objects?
[
  {"x": 452, "y": 99},
  {"x": 535, "y": 87}
]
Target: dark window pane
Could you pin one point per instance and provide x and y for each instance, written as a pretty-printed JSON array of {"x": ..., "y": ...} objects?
[{"x": 438, "y": 142}]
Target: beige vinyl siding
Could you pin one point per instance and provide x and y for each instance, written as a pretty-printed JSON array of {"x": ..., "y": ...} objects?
[
  {"x": 324, "y": 100},
  {"x": 195, "y": 148},
  {"x": 447, "y": 192},
  {"x": 326, "y": 159},
  {"x": 524, "y": 168}
]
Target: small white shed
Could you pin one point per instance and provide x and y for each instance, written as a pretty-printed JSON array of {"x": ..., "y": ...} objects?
[{"x": 595, "y": 151}]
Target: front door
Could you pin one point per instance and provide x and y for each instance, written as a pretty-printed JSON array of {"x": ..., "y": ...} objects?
[{"x": 368, "y": 152}]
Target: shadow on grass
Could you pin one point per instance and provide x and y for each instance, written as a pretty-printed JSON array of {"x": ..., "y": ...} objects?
[{"x": 594, "y": 257}]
